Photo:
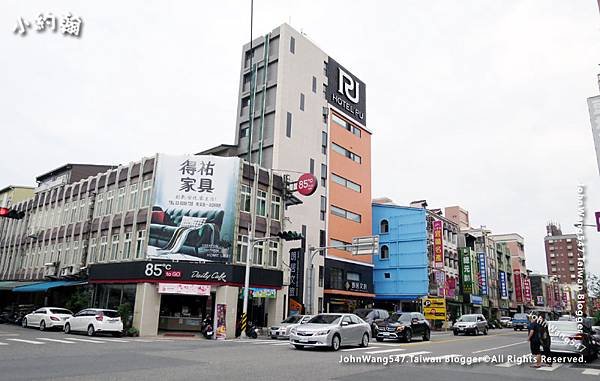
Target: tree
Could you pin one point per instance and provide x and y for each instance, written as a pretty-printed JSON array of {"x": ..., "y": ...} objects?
[{"x": 593, "y": 285}]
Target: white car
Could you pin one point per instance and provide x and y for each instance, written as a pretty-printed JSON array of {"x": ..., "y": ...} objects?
[
  {"x": 95, "y": 320},
  {"x": 47, "y": 317},
  {"x": 282, "y": 330}
]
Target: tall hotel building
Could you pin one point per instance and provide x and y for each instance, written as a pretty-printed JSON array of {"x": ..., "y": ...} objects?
[{"x": 309, "y": 115}]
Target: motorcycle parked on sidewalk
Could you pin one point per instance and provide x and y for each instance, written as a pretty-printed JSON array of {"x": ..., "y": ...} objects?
[{"x": 207, "y": 328}]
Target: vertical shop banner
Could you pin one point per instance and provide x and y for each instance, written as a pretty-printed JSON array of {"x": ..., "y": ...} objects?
[
  {"x": 518, "y": 286},
  {"x": 482, "y": 274},
  {"x": 221, "y": 321},
  {"x": 440, "y": 280},
  {"x": 527, "y": 290},
  {"x": 467, "y": 280},
  {"x": 438, "y": 245},
  {"x": 503, "y": 285},
  {"x": 296, "y": 274},
  {"x": 451, "y": 287},
  {"x": 194, "y": 208}
]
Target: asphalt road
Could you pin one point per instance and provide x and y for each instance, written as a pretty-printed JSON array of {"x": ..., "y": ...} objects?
[{"x": 28, "y": 354}]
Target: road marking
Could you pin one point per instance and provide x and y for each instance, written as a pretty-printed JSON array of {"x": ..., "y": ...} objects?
[
  {"x": 116, "y": 340},
  {"x": 552, "y": 368},
  {"x": 55, "y": 340},
  {"x": 504, "y": 346},
  {"x": 412, "y": 354},
  {"x": 592, "y": 372},
  {"x": 1, "y": 343},
  {"x": 88, "y": 340},
  {"x": 144, "y": 341},
  {"x": 358, "y": 349},
  {"x": 507, "y": 364},
  {"x": 385, "y": 351},
  {"x": 26, "y": 341},
  {"x": 281, "y": 344}
]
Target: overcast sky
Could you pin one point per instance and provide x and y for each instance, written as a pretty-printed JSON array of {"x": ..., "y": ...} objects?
[{"x": 480, "y": 104}]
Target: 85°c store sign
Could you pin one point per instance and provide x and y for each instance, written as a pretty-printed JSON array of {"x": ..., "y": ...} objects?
[{"x": 190, "y": 272}]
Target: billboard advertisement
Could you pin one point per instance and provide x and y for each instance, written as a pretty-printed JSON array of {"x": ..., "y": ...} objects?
[
  {"x": 467, "y": 281},
  {"x": 482, "y": 274},
  {"x": 503, "y": 285},
  {"x": 194, "y": 208},
  {"x": 527, "y": 290},
  {"x": 296, "y": 275},
  {"x": 518, "y": 286},
  {"x": 434, "y": 308},
  {"x": 438, "y": 245},
  {"x": 346, "y": 92}
]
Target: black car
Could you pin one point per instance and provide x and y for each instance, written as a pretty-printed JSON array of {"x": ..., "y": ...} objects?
[
  {"x": 403, "y": 326},
  {"x": 372, "y": 316}
]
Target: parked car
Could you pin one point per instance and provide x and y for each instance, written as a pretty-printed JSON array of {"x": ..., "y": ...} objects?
[
  {"x": 506, "y": 321},
  {"x": 282, "y": 330},
  {"x": 331, "y": 330},
  {"x": 404, "y": 326},
  {"x": 567, "y": 339},
  {"x": 372, "y": 316},
  {"x": 94, "y": 320},
  {"x": 46, "y": 318},
  {"x": 596, "y": 337},
  {"x": 520, "y": 322},
  {"x": 470, "y": 324}
]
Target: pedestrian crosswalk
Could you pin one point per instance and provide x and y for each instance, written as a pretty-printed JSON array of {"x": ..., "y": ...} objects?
[{"x": 4, "y": 342}]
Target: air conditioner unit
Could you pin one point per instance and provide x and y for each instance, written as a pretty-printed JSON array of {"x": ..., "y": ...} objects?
[
  {"x": 74, "y": 270},
  {"x": 50, "y": 270},
  {"x": 66, "y": 271}
]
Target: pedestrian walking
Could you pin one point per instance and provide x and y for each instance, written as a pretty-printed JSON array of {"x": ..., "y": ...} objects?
[
  {"x": 545, "y": 341},
  {"x": 535, "y": 341}
]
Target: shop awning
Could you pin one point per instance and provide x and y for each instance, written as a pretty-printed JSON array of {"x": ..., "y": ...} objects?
[
  {"x": 9, "y": 285},
  {"x": 45, "y": 286}
]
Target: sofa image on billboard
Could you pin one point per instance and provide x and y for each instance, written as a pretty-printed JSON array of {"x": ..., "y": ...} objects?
[{"x": 201, "y": 239}]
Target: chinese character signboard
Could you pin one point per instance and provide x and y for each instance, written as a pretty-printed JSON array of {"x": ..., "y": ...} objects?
[
  {"x": 539, "y": 301},
  {"x": 503, "y": 286},
  {"x": 438, "y": 245},
  {"x": 467, "y": 281},
  {"x": 296, "y": 274},
  {"x": 434, "y": 308},
  {"x": 527, "y": 290},
  {"x": 482, "y": 273},
  {"x": 518, "y": 286},
  {"x": 440, "y": 280},
  {"x": 194, "y": 209}
]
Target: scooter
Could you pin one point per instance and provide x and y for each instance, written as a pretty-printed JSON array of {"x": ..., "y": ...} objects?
[
  {"x": 207, "y": 328},
  {"x": 252, "y": 330}
]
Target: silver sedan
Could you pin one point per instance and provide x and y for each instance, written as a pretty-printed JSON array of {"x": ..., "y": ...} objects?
[{"x": 331, "y": 330}]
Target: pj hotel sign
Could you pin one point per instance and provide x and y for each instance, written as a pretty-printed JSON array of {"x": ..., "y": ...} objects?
[{"x": 346, "y": 92}]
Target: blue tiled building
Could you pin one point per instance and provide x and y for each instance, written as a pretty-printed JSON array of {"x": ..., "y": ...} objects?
[{"x": 400, "y": 268}]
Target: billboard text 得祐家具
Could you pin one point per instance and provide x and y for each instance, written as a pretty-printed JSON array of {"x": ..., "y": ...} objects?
[{"x": 194, "y": 208}]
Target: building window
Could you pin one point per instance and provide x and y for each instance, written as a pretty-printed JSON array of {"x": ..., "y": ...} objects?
[
  {"x": 301, "y": 102},
  {"x": 75, "y": 259},
  {"x": 245, "y": 197},
  {"x": 127, "y": 246},
  {"x": 114, "y": 247},
  {"x": 314, "y": 84},
  {"x": 133, "y": 196},
  {"x": 321, "y": 271},
  {"x": 292, "y": 45},
  {"x": 384, "y": 252},
  {"x": 323, "y": 175},
  {"x": 74, "y": 208},
  {"x": 311, "y": 166},
  {"x": 103, "y": 244},
  {"x": 346, "y": 125},
  {"x": 323, "y": 210},
  {"x": 384, "y": 227},
  {"x": 257, "y": 258},
  {"x": 139, "y": 244},
  {"x": 146, "y": 187},
  {"x": 349, "y": 154},
  {"x": 244, "y": 132},
  {"x": 322, "y": 238},
  {"x": 353, "y": 276},
  {"x": 324, "y": 142},
  {"x": 82, "y": 209},
  {"x": 92, "y": 253},
  {"x": 386, "y": 275},
  {"x": 570, "y": 254},
  {"x": 320, "y": 304},
  {"x": 346, "y": 183},
  {"x": 261, "y": 203},
  {"x": 273, "y": 253},
  {"x": 553, "y": 269},
  {"x": 337, "y": 211},
  {"x": 120, "y": 200},
  {"x": 242, "y": 248},
  {"x": 288, "y": 125},
  {"x": 276, "y": 207},
  {"x": 336, "y": 278},
  {"x": 340, "y": 245},
  {"x": 109, "y": 202},
  {"x": 97, "y": 209}
]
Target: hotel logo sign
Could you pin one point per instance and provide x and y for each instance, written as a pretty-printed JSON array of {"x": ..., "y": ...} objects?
[{"x": 346, "y": 92}]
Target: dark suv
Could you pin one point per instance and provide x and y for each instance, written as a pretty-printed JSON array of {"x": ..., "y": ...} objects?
[
  {"x": 372, "y": 316},
  {"x": 403, "y": 326}
]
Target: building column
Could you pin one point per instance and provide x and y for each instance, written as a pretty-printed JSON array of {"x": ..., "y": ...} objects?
[
  {"x": 275, "y": 308},
  {"x": 147, "y": 309},
  {"x": 228, "y": 295}
]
